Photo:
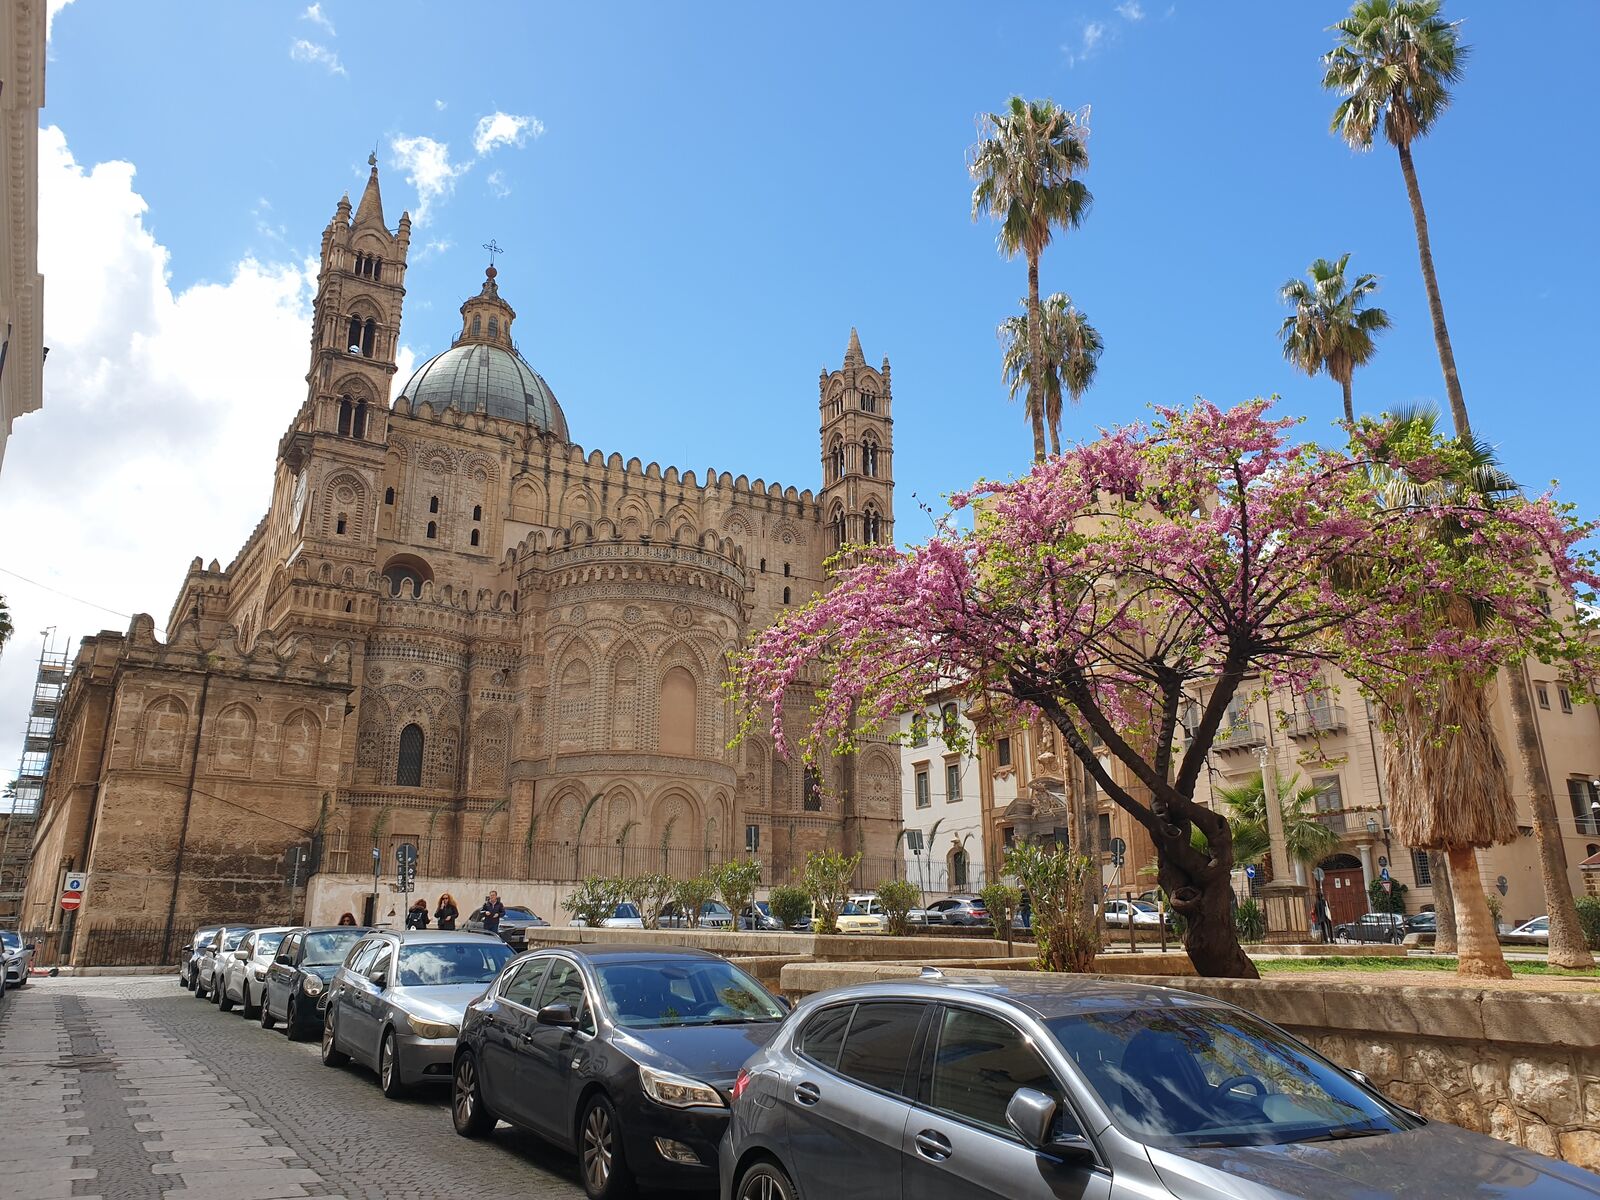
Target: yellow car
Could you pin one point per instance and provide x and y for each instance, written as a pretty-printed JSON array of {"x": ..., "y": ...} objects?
[{"x": 853, "y": 919}]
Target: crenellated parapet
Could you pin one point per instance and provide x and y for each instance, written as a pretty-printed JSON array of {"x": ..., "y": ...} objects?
[{"x": 321, "y": 662}]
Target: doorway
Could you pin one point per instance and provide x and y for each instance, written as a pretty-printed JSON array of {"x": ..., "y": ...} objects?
[{"x": 1344, "y": 886}]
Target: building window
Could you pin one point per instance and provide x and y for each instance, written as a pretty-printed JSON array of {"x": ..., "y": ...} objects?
[
  {"x": 786, "y": 595},
  {"x": 1565, "y": 696},
  {"x": 838, "y": 529},
  {"x": 836, "y": 462},
  {"x": 345, "y": 413},
  {"x": 1420, "y": 868},
  {"x": 433, "y": 529},
  {"x": 924, "y": 794},
  {"x": 952, "y": 781},
  {"x": 1544, "y": 695},
  {"x": 752, "y": 838},
  {"x": 869, "y": 402},
  {"x": 1104, "y": 826},
  {"x": 388, "y": 496},
  {"x": 763, "y": 566},
  {"x": 1329, "y": 799},
  {"x": 477, "y": 512},
  {"x": 433, "y": 504},
  {"x": 360, "y": 431},
  {"x": 1002, "y": 752},
  {"x": 474, "y": 537},
  {"x": 409, "y": 771},
  {"x": 869, "y": 458},
  {"x": 1544, "y": 601},
  {"x": 811, "y": 798},
  {"x": 1584, "y": 797},
  {"x": 873, "y": 527},
  {"x": 959, "y": 881},
  {"x": 785, "y": 569},
  {"x": 339, "y": 525},
  {"x": 494, "y": 327},
  {"x": 353, "y": 340},
  {"x": 477, "y": 326},
  {"x": 949, "y": 720},
  {"x": 368, "y": 337}
]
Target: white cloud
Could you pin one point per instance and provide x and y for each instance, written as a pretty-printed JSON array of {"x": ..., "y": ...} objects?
[
  {"x": 51, "y": 9},
  {"x": 1131, "y": 10},
  {"x": 497, "y": 184},
  {"x": 504, "y": 129},
  {"x": 160, "y": 424},
  {"x": 428, "y": 169},
  {"x": 316, "y": 16},
  {"x": 1092, "y": 34},
  {"x": 310, "y": 52},
  {"x": 440, "y": 105}
]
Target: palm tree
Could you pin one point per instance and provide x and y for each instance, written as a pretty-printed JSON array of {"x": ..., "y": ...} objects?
[
  {"x": 1072, "y": 350},
  {"x": 1331, "y": 329},
  {"x": 5, "y": 622},
  {"x": 1307, "y": 840},
  {"x": 1394, "y": 65},
  {"x": 1026, "y": 165}
]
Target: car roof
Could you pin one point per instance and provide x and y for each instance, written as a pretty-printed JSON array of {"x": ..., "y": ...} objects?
[
  {"x": 1045, "y": 997},
  {"x": 329, "y": 928},
  {"x": 611, "y": 952},
  {"x": 415, "y": 937}
]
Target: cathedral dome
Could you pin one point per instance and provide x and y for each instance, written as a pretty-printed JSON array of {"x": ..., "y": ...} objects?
[{"x": 483, "y": 373}]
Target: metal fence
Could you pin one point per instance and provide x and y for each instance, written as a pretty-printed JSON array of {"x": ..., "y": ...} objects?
[{"x": 518, "y": 860}]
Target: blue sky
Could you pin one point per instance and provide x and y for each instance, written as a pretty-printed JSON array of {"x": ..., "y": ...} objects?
[{"x": 702, "y": 200}]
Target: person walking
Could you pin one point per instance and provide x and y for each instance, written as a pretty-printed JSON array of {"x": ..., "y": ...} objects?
[
  {"x": 446, "y": 913},
  {"x": 417, "y": 915},
  {"x": 491, "y": 912}
]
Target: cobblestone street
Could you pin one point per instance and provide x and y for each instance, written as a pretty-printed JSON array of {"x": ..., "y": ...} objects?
[{"x": 130, "y": 1087}]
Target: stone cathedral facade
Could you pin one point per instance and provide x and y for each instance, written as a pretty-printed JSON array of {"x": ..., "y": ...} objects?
[{"x": 456, "y": 626}]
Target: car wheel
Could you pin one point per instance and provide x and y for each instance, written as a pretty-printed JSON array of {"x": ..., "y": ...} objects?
[
  {"x": 332, "y": 1056},
  {"x": 266, "y": 1012},
  {"x": 250, "y": 1011},
  {"x": 470, "y": 1114},
  {"x": 291, "y": 1022},
  {"x": 219, "y": 995},
  {"x": 601, "y": 1162},
  {"x": 200, "y": 990},
  {"x": 389, "y": 1068},
  {"x": 1342, "y": 936},
  {"x": 765, "y": 1181}
]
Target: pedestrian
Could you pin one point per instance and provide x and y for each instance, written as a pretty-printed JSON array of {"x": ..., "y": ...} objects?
[
  {"x": 446, "y": 913},
  {"x": 349, "y": 918},
  {"x": 491, "y": 912},
  {"x": 417, "y": 915}
]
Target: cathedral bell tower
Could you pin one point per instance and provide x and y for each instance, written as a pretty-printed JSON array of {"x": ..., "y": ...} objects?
[{"x": 857, "y": 496}]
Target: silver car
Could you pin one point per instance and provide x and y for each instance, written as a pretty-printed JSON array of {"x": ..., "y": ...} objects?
[
  {"x": 18, "y": 958},
  {"x": 208, "y": 964},
  {"x": 396, "y": 1003},
  {"x": 1089, "y": 1088},
  {"x": 242, "y": 977}
]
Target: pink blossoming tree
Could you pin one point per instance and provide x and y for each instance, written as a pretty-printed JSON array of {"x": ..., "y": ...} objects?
[{"x": 1166, "y": 565}]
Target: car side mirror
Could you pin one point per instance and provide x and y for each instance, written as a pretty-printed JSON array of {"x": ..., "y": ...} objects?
[
  {"x": 1032, "y": 1114},
  {"x": 559, "y": 1015},
  {"x": 30, "y": 945},
  {"x": 240, "y": 955},
  {"x": 379, "y": 979}
]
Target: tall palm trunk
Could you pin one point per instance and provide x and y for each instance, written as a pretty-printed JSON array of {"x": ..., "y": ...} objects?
[
  {"x": 1035, "y": 358},
  {"x": 1349, "y": 405},
  {"x": 1567, "y": 945},
  {"x": 1478, "y": 952},
  {"x": 1444, "y": 902},
  {"x": 1441, "y": 335}
]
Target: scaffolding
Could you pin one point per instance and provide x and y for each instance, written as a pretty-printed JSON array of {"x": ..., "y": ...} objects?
[{"x": 27, "y": 793}]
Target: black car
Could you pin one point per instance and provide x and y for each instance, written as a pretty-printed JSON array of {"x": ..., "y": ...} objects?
[
  {"x": 514, "y": 925},
  {"x": 306, "y": 960},
  {"x": 189, "y": 956},
  {"x": 624, "y": 1054}
]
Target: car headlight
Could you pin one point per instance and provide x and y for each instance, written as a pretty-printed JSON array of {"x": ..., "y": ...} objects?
[
  {"x": 434, "y": 1029},
  {"x": 312, "y": 986},
  {"x": 677, "y": 1091}
]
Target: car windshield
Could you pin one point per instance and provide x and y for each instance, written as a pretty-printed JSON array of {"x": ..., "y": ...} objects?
[
  {"x": 267, "y": 943},
  {"x": 852, "y": 910},
  {"x": 627, "y": 912},
  {"x": 329, "y": 949},
  {"x": 1189, "y": 1076},
  {"x": 437, "y": 963},
  {"x": 10, "y": 939},
  {"x": 516, "y": 910},
  {"x": 204, "y": 936},
  {"x": 667, "y": 992},
  {"x": 232, "y": 940}
]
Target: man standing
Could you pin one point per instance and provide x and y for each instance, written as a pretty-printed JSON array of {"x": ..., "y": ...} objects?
[{"x": 491, "y": 912}]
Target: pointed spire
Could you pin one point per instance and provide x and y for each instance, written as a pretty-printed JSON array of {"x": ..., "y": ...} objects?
[
  {"x": 371, "y": 206},
  {"x": 852, "y": 355}
]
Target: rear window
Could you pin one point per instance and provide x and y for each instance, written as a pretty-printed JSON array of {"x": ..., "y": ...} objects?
[
  {"x": 330, "y": 948},
  {"x": 437, "y": 963},
  {"x": 824, "y": 1034},
  {"x": 877, "y": 1047}
]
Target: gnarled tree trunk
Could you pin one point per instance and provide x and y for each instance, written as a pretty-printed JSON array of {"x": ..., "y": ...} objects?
[
  {"x": 1444, "y": 903},
  {"x": 1478, "y": 951}
]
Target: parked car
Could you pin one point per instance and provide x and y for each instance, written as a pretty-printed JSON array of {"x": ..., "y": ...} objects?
[
  {"x": 190, "y": 955},
  {"x": 713, "y": 915},
  {"x": 873, "y": 907},
  {"x": 758, "y": 917},
  {"x": 1423, "y": 922},
  {"x": 959, "y": 910},
  {"x": 852, "y": 919},
  {"x": 397, "y": 1002},
  {"x": 514, "y": 925},
  {"x": 304, "y": 963},
  {"x": 1082, "y": 1087},
  {"x": 223, "y": 942},
  {"x": 244, "y": 971},
  {"x": 1373, "y": 927},
  {"x": 1536, "y": 930},
  {"x": 1145, "y": 914},
  {"x": 18, "y": 956},
  {"x": 625, "y": 1055},
  {"x": 626, "y": 916}
]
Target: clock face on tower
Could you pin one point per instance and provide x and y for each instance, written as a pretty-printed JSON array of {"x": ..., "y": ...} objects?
[{"x": 299, "y": 507}]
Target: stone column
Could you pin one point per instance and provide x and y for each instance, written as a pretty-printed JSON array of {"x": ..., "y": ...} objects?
[{"x": 1285, "y": 896}]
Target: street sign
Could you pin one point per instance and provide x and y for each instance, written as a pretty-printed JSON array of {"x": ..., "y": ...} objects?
[
  {"x": 1388, "y": 885},
  {"x": 1319, "y": 874},
  {"x": 1502, "y": 885},
  {"x": 1250, "y": 871},
  {"x": 405, "y": 857},
  {"x": 75, "y": 881},
  {"x": 1383, "y": 861},
  {"x": 1383, "y": 874},
  {"x": 1119, "y": 851},
  {"x": 70, "y": 901}
]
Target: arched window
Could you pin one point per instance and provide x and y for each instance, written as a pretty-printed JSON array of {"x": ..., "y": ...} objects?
[
  {"x": 474, "y": 537},
  {"x": 958, "y": 870},
  {"x": 477, "y": 512},
  {"x": 838, "y": 405},
  {"x": 344, "y": 416},
  {"x": 360, "y": 427},
  {"x": 408, "y": 772},
  {"x": 763, "y": 566},
  {"x": 838, "y": 529},
  {"x": 836, "y": 461},
  {"x": 678, "y": 703},
  {"x": 811, "y": 795},
  {"x": 353, "y": 341},
  {"x": 433, "y": 529},
  {"x": 786, "y": 595},
  {"x": 403, "y": 580},
  {"x": 433, "y": 504},
  {"x": 786, "y": 570},
  {"x": 872, "y": 526},
  {"x": 377, "y": 268},
  {"x": 477, "y": 326},
  {"x": 339, "y": 526},
  {"x": 869, "y": 402},
  {"x": 869, "y": 458},
  {"x": 368, "y": 334},
  {"x": 361, "y": 264},
  {"x": 494, "y": 327},
  {"x": 388, "y": 495}
]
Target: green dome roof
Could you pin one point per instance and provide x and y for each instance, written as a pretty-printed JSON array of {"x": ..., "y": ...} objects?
[{"x": 481, "y": 378}]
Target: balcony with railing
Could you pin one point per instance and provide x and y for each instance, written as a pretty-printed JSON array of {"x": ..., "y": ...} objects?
[
  {"x": 1241, "y": 735},
  {"x": 1313, "y": 722}
]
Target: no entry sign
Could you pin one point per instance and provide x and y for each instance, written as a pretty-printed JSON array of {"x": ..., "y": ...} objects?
[{"x": 71, "y": 900}]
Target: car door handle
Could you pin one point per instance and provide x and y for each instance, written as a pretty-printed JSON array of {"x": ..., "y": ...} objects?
[
  {"x": 807, "y": 1093},
  {"x": 933, "y": 1145}
]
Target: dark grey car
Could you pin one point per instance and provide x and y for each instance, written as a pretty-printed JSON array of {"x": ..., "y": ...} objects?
[{"x": 1085, "y": 1088}]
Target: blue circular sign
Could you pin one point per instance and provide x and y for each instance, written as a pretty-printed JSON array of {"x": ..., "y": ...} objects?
[{"x": 1250, "y": 872}]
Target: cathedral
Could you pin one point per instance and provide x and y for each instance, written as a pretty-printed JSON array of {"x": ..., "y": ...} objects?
[{"x": 455, "y": 627}]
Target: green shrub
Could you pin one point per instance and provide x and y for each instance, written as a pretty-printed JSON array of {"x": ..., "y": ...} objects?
[
  {"x": 1493, "y": 901},
  {"x": 827, "y": 880},
  {"x": 593, "y": 900},
  {"x": 648, "y": 893},
  {"x": 1065, "y": 926},
  {"x": 1002, "y": 900},
  {"x": 898, "y": 897},
  {"x": 1589, "y": 920},
  {"x": 791, "y": 905},
  {"x": 692, "y": 895},
  {"x": 1391, "y": 901},
  {"x": 1250, "y": 921},
  {"x": 737, "y": 883}
]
